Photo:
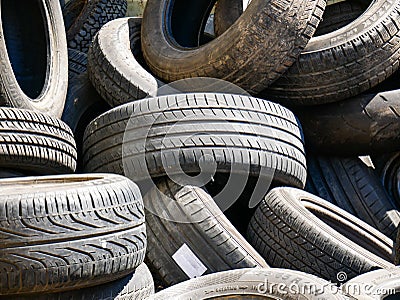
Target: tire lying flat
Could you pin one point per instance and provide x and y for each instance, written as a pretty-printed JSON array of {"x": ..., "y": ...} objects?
[
  {"x": 297, "y": 230},
  {"x": 176, "y": 133},
  {"x": 34, "y": 80},
  {"x": 178, "y": 218},
  {"x": 35, "y": 142},
  {"x": 67, "y": 232}
]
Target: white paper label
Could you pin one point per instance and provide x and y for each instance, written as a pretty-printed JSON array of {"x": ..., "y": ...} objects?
[{"x": 188, "y": 262}]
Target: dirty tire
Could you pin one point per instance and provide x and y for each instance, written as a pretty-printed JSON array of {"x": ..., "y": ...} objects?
[
  {"x": 387, "y": 168},
  {"x": 34, "y": 80},
  {"x": 115, "y": 63},
  {"x": 93, "y": 14},
  {"x": 244, "y": 283},
  {"x": 68, "y": 232},
  {"x": 364, "y": 125},
  {"x": 351, "y": 185},
  {"x": 188, "y": 217},
  {"x": 240, "y": 133},
  {"x": 335, "y": 15},
  {"x": 375, "y": 285},
  {"x": 136, "y": 286},
  {"x": 35, "y": 142},
  {"x": 288, "y": 233},
  {"x": 346, "y": 62},
  {"x": 242, "y": 55}
]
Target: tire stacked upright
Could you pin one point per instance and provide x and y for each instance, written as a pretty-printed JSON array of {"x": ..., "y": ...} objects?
[{"x": 62, "y": 236}]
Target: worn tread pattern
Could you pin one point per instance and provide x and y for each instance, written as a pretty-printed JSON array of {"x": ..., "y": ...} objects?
[
  {"x": 94, "y": 15},
  {"x": 289, "y": 236},
  {"x": 233, "y": 130},
  {"x": 397, "y": 250},
  {"x": 242, "y": 55},
  {"x": 68, "y": 232},
  {"x": 77, "y": 63},
  {"x": 136, "y": 286},
  {"x": 194, "y": 220},
  {"x": 115, "y": 63},
  {"x": 345, "y": 62},
  {"x": 364, "y": 125},
  {"x": 349, "y": 184},
  {"x": 35, "y": 142},
  {"x": 340, "y": 14}
]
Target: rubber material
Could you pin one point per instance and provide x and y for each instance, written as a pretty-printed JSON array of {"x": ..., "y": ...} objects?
[
  {"x": 378, "y": 284},
  {"x": 136, "y": 286},
  {"x": 115, "y": 63},
  {"x": 35, "y": 142},
  {"x": 33, "y": 56},
  {"x": 366, "y": 124},
  {"x": 93, "y": 14},
  {"x": 249, "y": 284},
  {"x": 252, "y": 53},
  {"x": 351, "y": 185},
  {"x": 67, "y": 232},
  {"x": 297, "y": 230},
  {"x": 188, "y": 216},
  {"x": 239, "y": 133},
  {"x": 346, "y": 62}
]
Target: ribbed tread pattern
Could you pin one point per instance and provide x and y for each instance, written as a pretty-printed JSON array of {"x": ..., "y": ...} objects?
[
  {"x": 115, "y": 63},
  {"x": 77, "y": 63},
  {"x": 94, "y": 15},
  {"x": 345, "y": 63},
  {"x": 35, "y": 142},
  {"x": 68, "y": 232},
  {"x": 349, "y": 184},
  {"x": 289, "y": 236},
  {"x": 232, "y": 129},
  {"x": 200, "y": 225}
]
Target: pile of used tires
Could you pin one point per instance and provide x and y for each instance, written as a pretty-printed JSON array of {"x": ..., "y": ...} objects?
[{"x": 254, "y": 154}]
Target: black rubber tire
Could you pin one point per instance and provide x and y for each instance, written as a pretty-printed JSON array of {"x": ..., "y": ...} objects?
[
  {"x": 33, "y": 56},
  {"x": 115, "y": 63},
  {"x": 364, "y": 125},
  {"x": 335, "y": 15},
  {"x": 35, "y": 142},
  {"x": 77, "y": 63},
  {"x": 247, "y": 133},
  {"x": 387, "y": 168},
  {"x": 340, "y": 14},
  {"x": 245, "y": 283},
  {"x": 136, "y": 286},
  {"x": 254, "y": 52},
  {"x": 195, "y": 221},
  {"x": 351, "y": 185},
  {"x": 346, "y": 62},
  {"x": 375, "y": 285},
  {"x": 93, "y": 14},
  {"x": 297, "y": 230},
  {"x": 68, "y": 232}
]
